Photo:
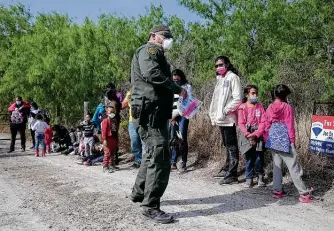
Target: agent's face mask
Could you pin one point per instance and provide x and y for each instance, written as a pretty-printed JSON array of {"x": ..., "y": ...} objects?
[
  {"x": 167, "y": 43},
  {"x": 18, "y": 102},
  {"x": 112, "y": 115}
]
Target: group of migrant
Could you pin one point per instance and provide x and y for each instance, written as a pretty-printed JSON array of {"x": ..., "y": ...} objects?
[{"x": 72, "y": 141}]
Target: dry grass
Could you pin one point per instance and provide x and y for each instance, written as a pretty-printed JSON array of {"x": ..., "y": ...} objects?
[
  {"x": 124, "y": 138},
  {"x": 204, "y": 139},
  {"x": 4, "y": 128}
]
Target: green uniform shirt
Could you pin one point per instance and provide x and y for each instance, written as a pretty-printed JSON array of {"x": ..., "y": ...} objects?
[{"x": 151, "y": 78}]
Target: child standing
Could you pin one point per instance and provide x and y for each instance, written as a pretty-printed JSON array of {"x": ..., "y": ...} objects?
[
  {"x": 116, "y": 98},
  {"x": 281, "y": 140},
  {"x": 88, "y": 130},
  {"x": 48, "y": 136},
  {"x": 109, "y": 137},
  {"x": 251, "y": 121},
  {"x": 39, "y": 128},
  {"x": 182, "y": 123}
]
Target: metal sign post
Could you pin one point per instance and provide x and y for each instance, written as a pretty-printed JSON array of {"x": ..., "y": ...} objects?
[{"x": 85, "y": 108}]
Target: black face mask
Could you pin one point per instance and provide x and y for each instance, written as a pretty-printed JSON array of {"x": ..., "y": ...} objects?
[{"x": 178, "y": 82}]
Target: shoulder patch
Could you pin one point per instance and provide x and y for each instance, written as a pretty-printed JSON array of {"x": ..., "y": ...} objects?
[{"x": 152, "y": 51}]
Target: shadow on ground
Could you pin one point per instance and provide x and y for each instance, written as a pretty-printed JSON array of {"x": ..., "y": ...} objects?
[{"x": 238, "y": 201}]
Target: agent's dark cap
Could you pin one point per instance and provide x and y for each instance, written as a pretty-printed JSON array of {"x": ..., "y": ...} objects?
[{"x": 163, "y": 30}]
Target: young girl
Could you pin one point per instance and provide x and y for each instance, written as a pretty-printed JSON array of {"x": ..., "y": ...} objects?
[
  {"x": 109, "y": 136},
  {"x": 48, "y": 135},
  {"x": 251, "y": 121},
  {"x": 39, "y": 128},
  {"x": 180, "y": 79},
  {"x": 280, "y": 131}
]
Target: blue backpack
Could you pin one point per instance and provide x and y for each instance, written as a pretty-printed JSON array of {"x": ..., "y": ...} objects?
[{"x": 278, "y": 138}]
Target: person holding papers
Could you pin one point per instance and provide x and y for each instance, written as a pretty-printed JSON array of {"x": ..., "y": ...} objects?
[{"x": 180, "y": 122}]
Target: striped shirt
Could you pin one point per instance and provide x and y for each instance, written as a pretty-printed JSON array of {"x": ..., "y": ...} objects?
[{"x": 88, "y": 129}]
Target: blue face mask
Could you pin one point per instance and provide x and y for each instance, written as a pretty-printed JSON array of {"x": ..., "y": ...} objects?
[
  {"x": 253, "y": 99},
  {"x": 18, "y": 102}
]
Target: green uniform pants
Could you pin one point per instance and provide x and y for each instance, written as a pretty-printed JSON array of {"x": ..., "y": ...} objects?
[{"x": 153, "y": 175}]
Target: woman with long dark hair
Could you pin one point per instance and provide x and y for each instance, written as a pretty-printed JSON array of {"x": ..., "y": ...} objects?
[
  {"x": 180, "y": 122},
  {"x": 223, "y": 113}
]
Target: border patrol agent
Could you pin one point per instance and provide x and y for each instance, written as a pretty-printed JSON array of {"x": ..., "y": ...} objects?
[{"x": 152, "y": 104}]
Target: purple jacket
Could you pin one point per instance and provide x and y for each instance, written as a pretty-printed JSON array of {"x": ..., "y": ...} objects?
[{"x": 119, "y": 96}]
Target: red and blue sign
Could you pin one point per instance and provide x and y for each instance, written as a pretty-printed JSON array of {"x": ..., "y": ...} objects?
[{"x": 322, "y": 135}]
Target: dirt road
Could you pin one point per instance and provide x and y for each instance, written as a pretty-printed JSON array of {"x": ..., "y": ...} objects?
[{"x": 54, "y": 193}]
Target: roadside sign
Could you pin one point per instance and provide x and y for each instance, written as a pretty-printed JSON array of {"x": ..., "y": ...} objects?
[
  {"x": 322, "y": 129},
  {"x": 322, "y": 135}
]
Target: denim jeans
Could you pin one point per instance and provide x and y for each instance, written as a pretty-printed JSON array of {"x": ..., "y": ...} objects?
[
  {"x": 254, "y": 161},
  {"x": 183, "y": 127},
  {"x": 137, "y": 146},
  {"x": 230, "y": 142},
  {"x": 39, "y": 137}
]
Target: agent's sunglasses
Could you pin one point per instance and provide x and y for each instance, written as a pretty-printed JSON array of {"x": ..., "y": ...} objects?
[
  {"x": 220, "y": 65},
  {"x": 166, "y": 34}
]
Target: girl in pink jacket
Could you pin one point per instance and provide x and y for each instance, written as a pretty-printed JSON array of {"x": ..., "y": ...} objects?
[
  {"x": 251, "y": 121},
  {"x": 280, "y": 130}
]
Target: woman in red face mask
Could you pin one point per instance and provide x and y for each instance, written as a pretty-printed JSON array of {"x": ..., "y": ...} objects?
[{"x": 223, "y": 113}]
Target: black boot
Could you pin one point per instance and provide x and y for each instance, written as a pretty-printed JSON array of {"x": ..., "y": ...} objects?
[
  {"x": 229, "y": 180},
  {"x": 136, "y": 199},
  {"x": 158, "y": 216},
  {"x": 183, "y": 168},
  {"x": 221, "y": 173}
]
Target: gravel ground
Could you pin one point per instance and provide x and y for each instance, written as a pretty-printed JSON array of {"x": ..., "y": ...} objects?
[{"x": 54, "y": 193}]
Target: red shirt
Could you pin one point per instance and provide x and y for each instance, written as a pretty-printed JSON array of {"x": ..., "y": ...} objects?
[
  {"x": 109, "y": 128},
  {"x": 48, "y": 135},
  {"x": 13, "y": 106}
]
